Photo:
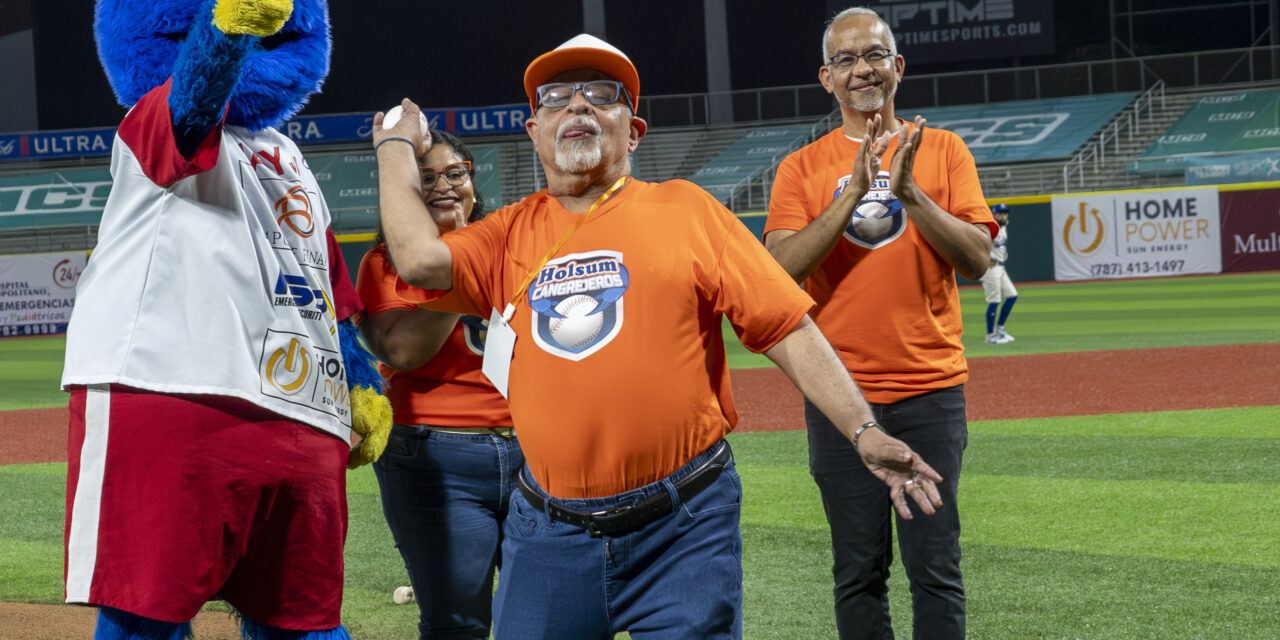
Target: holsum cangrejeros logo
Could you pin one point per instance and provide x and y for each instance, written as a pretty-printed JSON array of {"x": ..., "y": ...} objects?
[
  {"x": 1084, "y": 231},
  {"x": 577, "y": 303},
  {"x": 878, "y": 219}
]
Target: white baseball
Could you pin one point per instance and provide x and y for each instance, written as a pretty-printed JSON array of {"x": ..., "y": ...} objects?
[
  {"x": 403, "y": 595},
  {"x": 869, "y": 222},
  {"x": 393, "y": 116},
  {"x": 576, "y": 328}
]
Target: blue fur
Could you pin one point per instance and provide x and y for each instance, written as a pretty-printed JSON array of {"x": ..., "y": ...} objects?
[
  {"x": 209, "y": 63},
  {"x": 362, "y": 370},
  {"x": 114, "y": 624},
  {"x": 250, "y": 630},
  {"x": 269, "y": 86}
]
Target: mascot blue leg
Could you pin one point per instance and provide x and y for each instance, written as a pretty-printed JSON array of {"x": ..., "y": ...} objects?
[
  {"x": 251, "y": 630},
  {"x": 114, "y": 624}
]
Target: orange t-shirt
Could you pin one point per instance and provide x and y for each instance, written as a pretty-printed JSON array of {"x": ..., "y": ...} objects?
[
  {"x": 449, "y": 390},
  {"x": 619, "y": 374},
  {"x": 886, "y": 299}
]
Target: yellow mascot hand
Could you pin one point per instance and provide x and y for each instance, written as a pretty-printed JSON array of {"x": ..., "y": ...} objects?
[
  {"x": 251, "y": 17},
  {"x": 371, "y": 418}
]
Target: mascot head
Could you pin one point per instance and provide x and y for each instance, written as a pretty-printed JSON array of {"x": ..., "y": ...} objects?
[{"x": 139, "y": 40}]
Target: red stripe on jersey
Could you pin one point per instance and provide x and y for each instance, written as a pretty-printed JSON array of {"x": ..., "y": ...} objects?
[{"x": 148, "y": 131}]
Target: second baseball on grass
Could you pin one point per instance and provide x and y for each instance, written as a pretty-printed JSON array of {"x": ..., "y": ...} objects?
[
  {"x": 403, "y": 595},
  {"x": 393, "y": 116}
]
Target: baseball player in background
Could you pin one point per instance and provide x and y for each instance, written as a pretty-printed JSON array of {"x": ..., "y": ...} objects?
[{"x": 996, "y": 283}]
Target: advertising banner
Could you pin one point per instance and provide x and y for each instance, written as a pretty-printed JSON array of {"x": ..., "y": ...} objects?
[
  {"x": 1136, "y": 235},
  {"x": 1260, "y": 166},
  {"x": 37, "y": 292},
  {"x": 1251, "y": 230},
  {"x": 1028, "y": 130},
  {"x": 346, "y": 127},
  {"x": 950, "y": 30}
]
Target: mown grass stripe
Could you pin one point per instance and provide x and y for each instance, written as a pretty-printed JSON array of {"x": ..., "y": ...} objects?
[
  {"x": 1216, "y": 460},
  {"x": 1165, "y": 519},
  {"x": 1239, "y": 422}
]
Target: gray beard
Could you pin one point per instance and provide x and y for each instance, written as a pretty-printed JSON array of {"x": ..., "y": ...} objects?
[
  {"x": 864, "y": 106},
  {"x": 575, "y": 156}
]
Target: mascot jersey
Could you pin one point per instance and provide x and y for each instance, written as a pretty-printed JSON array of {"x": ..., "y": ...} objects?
[
  {"x": 619, "y": 374},
  {"x": 887, "y": 300},
  {"x": 243, "y": 305}
]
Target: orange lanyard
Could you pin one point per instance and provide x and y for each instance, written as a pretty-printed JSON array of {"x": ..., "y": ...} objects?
[{"x": 609, "y": 193}]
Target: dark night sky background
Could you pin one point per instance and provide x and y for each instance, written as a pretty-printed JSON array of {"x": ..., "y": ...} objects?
[{"x": 473, "y": 53}]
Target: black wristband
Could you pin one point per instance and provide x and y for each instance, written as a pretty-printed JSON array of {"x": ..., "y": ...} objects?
[
  {"x": 858, "y": 433},
  {"x": 385, "y": 140}
]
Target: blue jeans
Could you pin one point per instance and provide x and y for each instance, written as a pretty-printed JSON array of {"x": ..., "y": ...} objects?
[
  {"x": 445, "y": 497},
  {"x": 679, "y": 576},
  {"x": 858, "y": 510}
]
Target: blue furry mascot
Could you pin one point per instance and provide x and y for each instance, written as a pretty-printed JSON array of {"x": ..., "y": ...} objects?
[{"x": 214, "y": 372}]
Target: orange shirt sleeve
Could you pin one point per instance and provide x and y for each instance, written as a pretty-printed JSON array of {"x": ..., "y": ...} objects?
[
  {"x": 966, "y": 201},
  {"x": 381, "y": 289},
  {"x": 478, "y": 256},
  {"x": 788, "y": 206},
  {"x": 762, "y": 303}
]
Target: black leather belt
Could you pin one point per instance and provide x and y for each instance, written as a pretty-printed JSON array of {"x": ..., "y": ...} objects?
[
  {"x": 618, "y": 520},
  {"x": 1000, "y": 263}
]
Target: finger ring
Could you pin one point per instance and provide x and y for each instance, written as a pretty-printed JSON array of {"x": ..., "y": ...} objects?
[
  {"x": 911, "y": 481},
  {"x": 915, "y": 474}
]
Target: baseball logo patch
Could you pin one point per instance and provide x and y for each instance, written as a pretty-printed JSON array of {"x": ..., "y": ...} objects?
[
  {"x": 577, "y": 303},
  {"x": 879, "y": 218}
]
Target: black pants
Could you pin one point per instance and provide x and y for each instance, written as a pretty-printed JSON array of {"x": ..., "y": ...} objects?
[{"x": 858, "y": 510}]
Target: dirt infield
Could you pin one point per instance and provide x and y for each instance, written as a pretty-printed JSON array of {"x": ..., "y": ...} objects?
[
  {"x": 999, "y": 387},
  {"x": 1066, "y": 384},
  {"x": 60, "y": 622},
  {"x": 1027, "y": 386}
]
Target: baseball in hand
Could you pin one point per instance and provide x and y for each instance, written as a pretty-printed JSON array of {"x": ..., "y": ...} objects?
[
  {"x": 393, "y": 116},
  {"x": 403, "y": 595}
]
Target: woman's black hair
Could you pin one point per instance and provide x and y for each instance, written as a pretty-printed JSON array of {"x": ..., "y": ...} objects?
[{"x": 460, "y": 148}]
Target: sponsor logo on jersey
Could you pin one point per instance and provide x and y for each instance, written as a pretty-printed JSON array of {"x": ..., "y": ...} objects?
[
  {"x": 878, "y": 219},
  {"x": 294, "y": 210},
  {"x": 295, "y": 370},
  {"x": 577, "y": 303},
  {"x": 296, "y": 291}
]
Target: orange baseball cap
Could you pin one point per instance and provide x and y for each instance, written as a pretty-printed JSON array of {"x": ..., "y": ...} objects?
[{"x": 583, "y": 51}]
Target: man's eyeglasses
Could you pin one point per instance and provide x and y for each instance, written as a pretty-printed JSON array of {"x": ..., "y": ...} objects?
[
  {"x": 845, "y": 60},
  {"x": 455, "y": 174},
  {"x": 556, "y": 95}
]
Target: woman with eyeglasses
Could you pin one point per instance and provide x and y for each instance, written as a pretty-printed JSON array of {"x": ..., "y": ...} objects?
[{"x": 450, "y": 463}]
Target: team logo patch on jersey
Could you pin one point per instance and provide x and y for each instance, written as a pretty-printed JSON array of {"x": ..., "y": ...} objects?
[
  {"x": 879, "y": 218},
  {"x": 577, "y": 303},
  {"x": 473, "y": 329}
]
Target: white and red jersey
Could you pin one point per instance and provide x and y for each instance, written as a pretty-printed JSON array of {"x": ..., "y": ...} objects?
[
  {"x": 211, "y": 275},
  {"x": 1000, "y": 247}
]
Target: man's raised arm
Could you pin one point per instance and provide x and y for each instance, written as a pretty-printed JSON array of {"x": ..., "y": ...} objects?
[{"x": 413, "y": 242}]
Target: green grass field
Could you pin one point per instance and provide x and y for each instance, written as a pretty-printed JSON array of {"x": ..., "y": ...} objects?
[{"x": 1154, "y": 526}]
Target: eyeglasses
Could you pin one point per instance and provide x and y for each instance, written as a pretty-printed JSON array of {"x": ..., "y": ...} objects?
[
  {"x": 455, "y": 174},
  {"x": 845, "y": 60},
  {"x": 556, "y": 95}
]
